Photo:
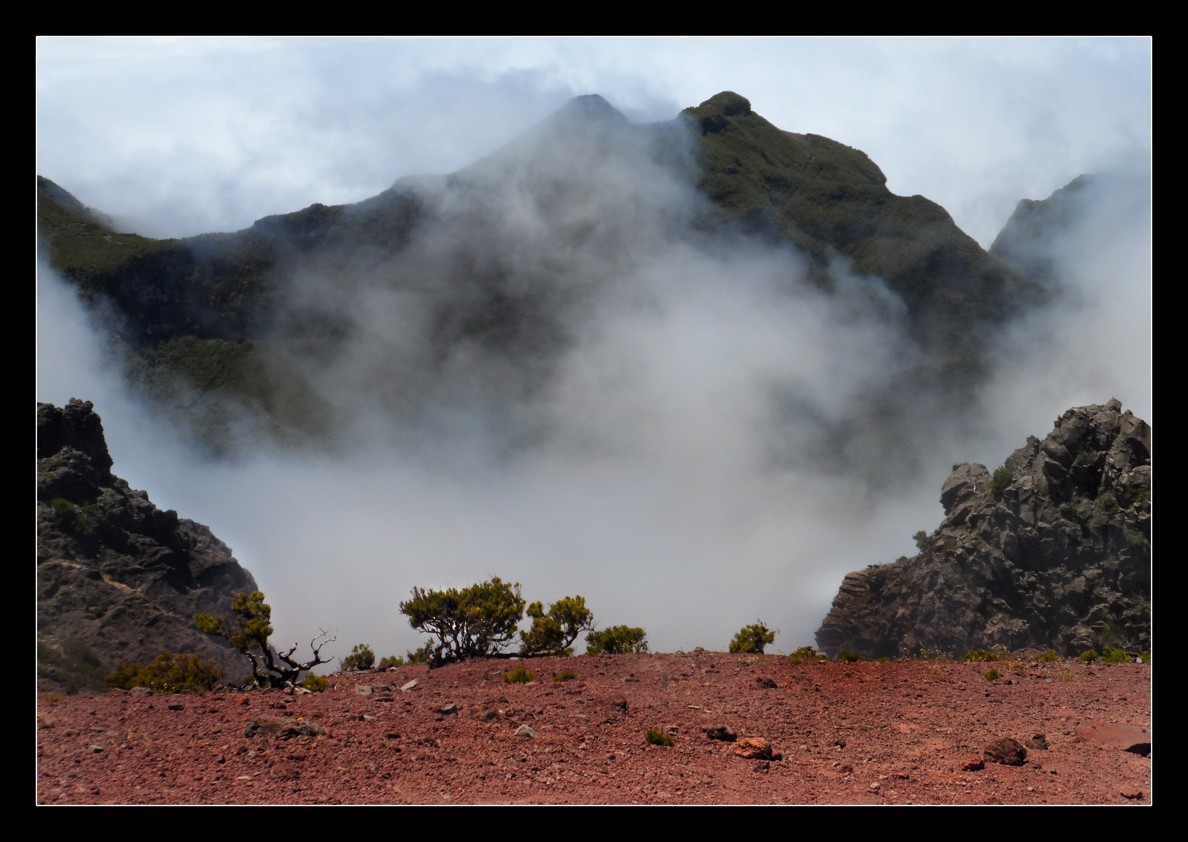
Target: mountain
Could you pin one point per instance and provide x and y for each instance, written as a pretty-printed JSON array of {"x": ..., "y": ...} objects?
[
  {"x": 1051, "y": 550},
  {"x": 117, "y": 578},
  {"x": 465, "y": 292}
]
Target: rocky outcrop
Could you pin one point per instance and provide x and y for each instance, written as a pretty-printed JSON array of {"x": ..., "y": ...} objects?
[
  {"x": 1051, "y": 550},
  {"x": 117, "y": 578}
]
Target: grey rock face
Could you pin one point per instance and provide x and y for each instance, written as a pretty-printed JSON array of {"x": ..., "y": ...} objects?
[
  {"x": 1052, "y": 550},
  {"x": 117, "y": 578}
]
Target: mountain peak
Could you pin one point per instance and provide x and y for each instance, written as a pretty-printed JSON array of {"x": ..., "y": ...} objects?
[
  {"x": 714, "y": 114},
  {"x": 591, "y": 107}
]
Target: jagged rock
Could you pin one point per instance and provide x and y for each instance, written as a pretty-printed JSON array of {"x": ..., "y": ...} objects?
[
  {"x": 117, "y": 578},
  {"x": 1050, "y": 551},
  {"x": 275, "y": 726},
  {"x": 1006, "y": 751},
  {"x": 754, "y": 748},
  {"x": 721, "y": 732}
]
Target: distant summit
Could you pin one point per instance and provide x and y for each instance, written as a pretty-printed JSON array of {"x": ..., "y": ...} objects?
[{"x": 501, "y": 264}]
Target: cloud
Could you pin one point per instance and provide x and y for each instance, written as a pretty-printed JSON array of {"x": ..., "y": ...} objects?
[{"x": 678, "y": 458}]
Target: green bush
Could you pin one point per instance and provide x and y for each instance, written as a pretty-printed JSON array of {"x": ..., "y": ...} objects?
[
  {"x": 474, "y": 622},
  {"x": 1000, "y": 480},
  {"x": 753, "y": 638},
  {"x": 248, "y": 629},
  {"x": 390, "y": 662},
  {"x": 1048, "y": 656},
  {"x": 849, "y": 657},
  {"x": 315, "y": 683},
  {"x": 169, "y": 673},
  {"x": 992, "y": 675},
  {"x": 360, "y": 659},
  {"x": 1145, "y": 657},
  {"x": 1115, "y": 656},
  {"x": 519, "y": 675},
  {"x": 1088, "y": 656},
  {"x": 658, "y": 738},
  {"x": 617, "y": 640},
  {"x": 565, "y": 675},
  {"x": 806, "y": 654},
  {"x": 554, "y": 633},
  {"x": 978, "y": 656}
]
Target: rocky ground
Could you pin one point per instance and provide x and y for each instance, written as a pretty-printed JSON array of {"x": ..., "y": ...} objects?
[{"x": 900, "y": 732}]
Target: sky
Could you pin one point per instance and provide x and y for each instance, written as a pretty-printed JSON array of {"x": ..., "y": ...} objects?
[{"x": 178, "y": 136}]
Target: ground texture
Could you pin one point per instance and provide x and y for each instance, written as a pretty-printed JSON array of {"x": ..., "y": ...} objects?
[{"x": 901, "y": 732}]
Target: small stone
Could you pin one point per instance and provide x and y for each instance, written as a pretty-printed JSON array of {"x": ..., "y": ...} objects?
[{"x": 529, "y": 733}]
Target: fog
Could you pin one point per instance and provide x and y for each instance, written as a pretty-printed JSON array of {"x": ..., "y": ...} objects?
[{"x": 650, "y": 461}]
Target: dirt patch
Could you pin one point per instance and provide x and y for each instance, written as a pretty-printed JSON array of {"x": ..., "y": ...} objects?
[{"x": 864, "y": 733}]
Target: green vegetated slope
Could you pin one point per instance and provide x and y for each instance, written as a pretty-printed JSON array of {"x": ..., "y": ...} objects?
[{"x": 219, "y": 323}]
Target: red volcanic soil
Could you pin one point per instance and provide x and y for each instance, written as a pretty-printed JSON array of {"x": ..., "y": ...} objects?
[{"x": 905, "y": 732}]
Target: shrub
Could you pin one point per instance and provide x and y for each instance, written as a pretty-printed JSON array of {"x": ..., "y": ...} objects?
[
  {"x": 519, "y": 675},
  {"x": 753, "y": 638},
  {"x": 849, "y": 657},
  {"x": 617, "y": 640},
  {"x": 806, "y": 653},
  {"x": 315, "y": 683},
  {"x": 565, "y": 675},
  {"x": 361, "y": 658},
  {"x": 390, "y": 662},
  {"x": 470, "y": 623},
  {"x": 169, "y": 673},
  {"x": 1145, "y": 657},
  {"x": 978, "y": 656},
  {"x": 1000, "y": 480},
  {"x": 248, "y": 629},
  {"x": 1088, "y": 656},
  {"x": 1048, "y": 656},
  {"x": 1115, "y": 656},
  {"x": 658, "y": 738},
  {"x": 992, "y": 675},
  {"x": 554, "y": 633}
]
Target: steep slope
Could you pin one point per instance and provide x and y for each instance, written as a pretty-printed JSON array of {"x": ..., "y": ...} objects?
[
  {"x": 1052, "y": 550},
  {"x": 117, "y": 578},
  {"x": 466, "y": 290}
]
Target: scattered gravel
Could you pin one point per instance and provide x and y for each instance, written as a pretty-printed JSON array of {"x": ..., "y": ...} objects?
[{"x": 863, "y": 733}]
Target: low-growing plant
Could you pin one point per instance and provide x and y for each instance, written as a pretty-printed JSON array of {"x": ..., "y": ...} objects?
[
  {"x": 1048, "y": 656},
  {"x": 1000, "y": 480},
  {"x": 656, "y": 737},
  {"x": 553, "y": 633},
  {"x": 565, "y": 675},
  {"x": 1088, "y": 656},
  {"x": 315, "y": 683},
  {"x": 992, "y": 675},
  {"x": 390, "y": 662},
  {"x": 169, "y": 673},
  {"x": 1145, "y": 657},
  {"x": 475, "y": 622},
  {"x": 753, "y": 638},
  {"x": 617, "y": 640},
  {"x": 806, "y": 654},
  {"x": 248, "y": 628},
  {"x": 360, "y": 659},
  {"x": 519, "y": 675},
  {"x": 977, "y": 656},
  {"x": 849, "y": 657},
  {"x": 1115, "y": 656}
]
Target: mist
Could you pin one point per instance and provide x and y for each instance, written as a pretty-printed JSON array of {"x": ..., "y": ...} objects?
[{"x": 636, "y": 447}]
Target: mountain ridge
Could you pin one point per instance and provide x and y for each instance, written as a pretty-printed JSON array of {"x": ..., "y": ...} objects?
[{"x": 717, "y": 177}]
